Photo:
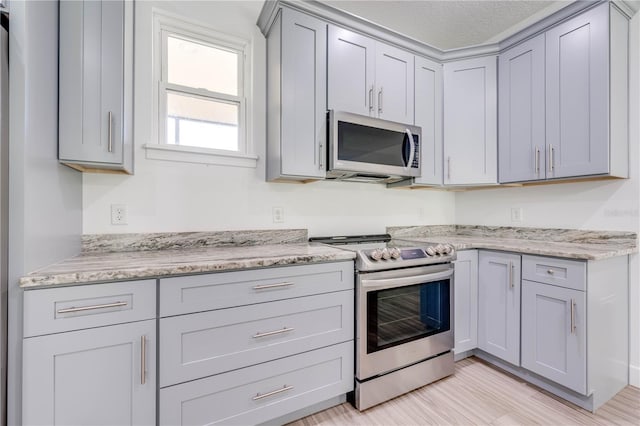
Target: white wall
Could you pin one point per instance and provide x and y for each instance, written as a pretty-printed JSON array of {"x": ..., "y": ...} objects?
[{"x": 167, "y": 196}]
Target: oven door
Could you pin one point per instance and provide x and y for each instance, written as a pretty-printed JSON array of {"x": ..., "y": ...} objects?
[{"x": 403, "y": 316}]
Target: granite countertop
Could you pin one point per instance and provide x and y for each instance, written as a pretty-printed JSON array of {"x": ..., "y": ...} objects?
[
  {"x": 565, "y": 243},
  {"x": 138, "y": 256},
  {"x": 156, "y": 260}
]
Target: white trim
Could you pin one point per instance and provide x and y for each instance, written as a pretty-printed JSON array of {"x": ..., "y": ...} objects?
[
  {"x": 167, "y": 24},
  {"x": 634, "y": 375},
  {"x": 190, "y": 154}
]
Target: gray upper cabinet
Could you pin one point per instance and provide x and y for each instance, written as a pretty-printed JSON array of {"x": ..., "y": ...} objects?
[
  {"x": 577, "y": 95},
  {"x": 428, "y": 116},
  {"x": 96, "y": 85},
  {"x": 370, "y": 78},
  {"x": 521, "y": 137},
  {"x": 499, "y": 305},
  {"x": 297, "y": 104},
  {"x": 470, "y": 121},
  {"x": 564, "y": 100}
]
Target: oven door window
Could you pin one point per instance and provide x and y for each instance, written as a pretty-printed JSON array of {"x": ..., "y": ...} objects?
[{"x": 402, "y": 314}]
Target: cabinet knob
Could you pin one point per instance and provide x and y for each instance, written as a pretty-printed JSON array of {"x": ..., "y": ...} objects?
[{"x": 550, "y": 271}]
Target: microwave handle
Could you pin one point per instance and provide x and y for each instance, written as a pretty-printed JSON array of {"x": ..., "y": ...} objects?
[{"x": 412, "y": 149}]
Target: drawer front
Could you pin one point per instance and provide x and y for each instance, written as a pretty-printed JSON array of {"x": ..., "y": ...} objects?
[
  {"x": 55, "y": 310},
  {"x": 183, "y": 295},
  {"x": 560, "y": 272},
  {"x": 262, "y": 392},
  {"x": 200, "y": 345}
]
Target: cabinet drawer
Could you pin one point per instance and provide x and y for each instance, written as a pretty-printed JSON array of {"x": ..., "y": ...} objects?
[
  {"x": 262, "y": 392},
  {"x": 61, "y": 309},
  {"x": 207, "y": 343},
  {"x": 197, "y": 293},
  {"x": 560, "y": 272}
]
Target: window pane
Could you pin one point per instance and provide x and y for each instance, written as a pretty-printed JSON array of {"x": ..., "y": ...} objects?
[
  {"x": 200, "y": 66},
  {"x": 202, "y": 122},
  {"x": 171, "y": 130}
]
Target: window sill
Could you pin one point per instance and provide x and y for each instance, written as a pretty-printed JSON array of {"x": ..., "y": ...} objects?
[{"x": 190, "y": 154}]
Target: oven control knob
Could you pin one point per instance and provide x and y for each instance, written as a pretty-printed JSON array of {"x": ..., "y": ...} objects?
[
  {"x": 448, "y": 249},
  {"x": 430, "y": 251},
  {"x": 439, "y": 249},
  {"x": 386, "y": 254},
  {"x": 376, "y": 254},
  {"x": 395, "y": 252}
]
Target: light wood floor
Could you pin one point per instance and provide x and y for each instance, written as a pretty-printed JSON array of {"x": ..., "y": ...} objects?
[{"x": 479, "y": 394}]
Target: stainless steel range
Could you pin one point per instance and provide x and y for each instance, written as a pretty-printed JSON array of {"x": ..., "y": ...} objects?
[{"x": 404, "y": 315}]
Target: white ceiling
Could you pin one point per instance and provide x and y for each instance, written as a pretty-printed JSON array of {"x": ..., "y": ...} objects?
[{"x": 450, "y": 24}]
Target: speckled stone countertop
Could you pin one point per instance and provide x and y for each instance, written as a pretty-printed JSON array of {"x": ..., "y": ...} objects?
[
  {"x": 565, "y": 243},
  {"x": 185, "y": 256}
]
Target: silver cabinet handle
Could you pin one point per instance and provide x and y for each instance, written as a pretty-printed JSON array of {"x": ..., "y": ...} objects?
[
  {"x": 550, "y": 158},
  {"x": 143, "y": 360},
  {"x": 448, "y": 168},
  {"x": 573, "y": 316},
  {"x": 380, "y": 101},
  {"x": 276, "y": 285},
  {"x": 90, "y": 308},
  {"x": 371, "y": 99},
  {"x": 511, "y": 284},
  {"x": 272, "y": 333},
  {"x": 275, "y": 392},
  {"x": 321, "y": 164},
  {"x": 537, "y": 161},
  {"x": 550, "y": 271},
  {"x": 412, "y": 151},
  {"x": 110, "y": 132}
]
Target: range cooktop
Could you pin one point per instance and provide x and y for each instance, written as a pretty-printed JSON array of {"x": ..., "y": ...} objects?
[{"x": 379, "y": 252}]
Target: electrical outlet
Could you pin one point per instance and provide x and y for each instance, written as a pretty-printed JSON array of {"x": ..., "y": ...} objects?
[
  {"x": 516, "y": 214},
  {"x": 278, "y": 215},
  {"x": 118, "y": 214}
]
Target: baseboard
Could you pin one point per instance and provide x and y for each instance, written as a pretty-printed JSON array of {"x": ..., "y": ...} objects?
[{"x": 634, "y": 375}]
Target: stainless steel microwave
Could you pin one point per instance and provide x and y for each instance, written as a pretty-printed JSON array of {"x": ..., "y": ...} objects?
[{"x": 367, "y": 149}]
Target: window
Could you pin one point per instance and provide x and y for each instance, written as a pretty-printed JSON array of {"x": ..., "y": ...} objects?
[{"x": 201, "y": 99}]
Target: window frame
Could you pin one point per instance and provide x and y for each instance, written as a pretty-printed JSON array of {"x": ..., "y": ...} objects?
[{"x": 165, "y": 26}]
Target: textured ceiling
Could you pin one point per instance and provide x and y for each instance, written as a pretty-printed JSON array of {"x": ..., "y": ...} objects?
[{"x": 453, "y": 23}]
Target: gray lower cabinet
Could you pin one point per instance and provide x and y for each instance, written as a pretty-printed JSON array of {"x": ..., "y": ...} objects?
[
  {"x": 89, "y": 355},
  {"x": 96, "y": 108},
  {"x": 101, "y": 376},
  {"x": 554, "y": 336},
  {"x": 499, "y": 305},
  {"x": 466, "y": 301},
  {"x": 261, "y": 392},
  {"x": 247, "y": 347}
]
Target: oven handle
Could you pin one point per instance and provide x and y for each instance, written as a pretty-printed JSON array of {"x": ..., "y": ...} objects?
[{"x": 379, "y": 284}]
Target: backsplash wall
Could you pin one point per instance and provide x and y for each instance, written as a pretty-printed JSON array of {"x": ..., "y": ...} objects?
[{"x": 175, "y": 197}]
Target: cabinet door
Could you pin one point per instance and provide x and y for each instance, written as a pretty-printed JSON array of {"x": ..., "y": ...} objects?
[
  {"x": 521, "y": 138},
  {"x": 470, "y": 121},
  {"x": 578, "y": 95},
  {"x": 466, "y": 301},
  {"x": 96, "y": 108},
  {"x": 91, "y": 81},
  {"x": 499, "y": 305},
  {"x": 428, "y": 116},
  {"x": 304, "y": 88},
  {"x": 91, "y": 377},
  {"x": 554, "y": 339},
  {"x": 351, "y": 68},
  {"x": 394, "y": 84}
]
